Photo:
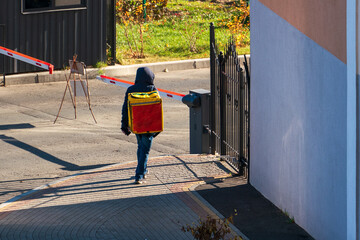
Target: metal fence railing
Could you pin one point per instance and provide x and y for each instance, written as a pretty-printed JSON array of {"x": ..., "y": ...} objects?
[{"x": 230, "y": 105}]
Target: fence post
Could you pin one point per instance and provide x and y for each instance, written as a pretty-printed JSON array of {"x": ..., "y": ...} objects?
[
  {"x": 242, "y": 103},
  {"x": 212, "y": 89},
  {"x": 222, "y": 105},
  {"x": 113, "y": 32},
  {"x": 248, "y": 89}
]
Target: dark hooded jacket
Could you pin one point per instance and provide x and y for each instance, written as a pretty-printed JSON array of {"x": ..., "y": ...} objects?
[{"x": 144, "y": 82}]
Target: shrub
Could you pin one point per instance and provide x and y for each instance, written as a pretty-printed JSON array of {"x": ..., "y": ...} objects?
[
  {"x": 131, "y": 10},
  {"x": 210, "y": 229},
  {"x": 239, "y": 22}
]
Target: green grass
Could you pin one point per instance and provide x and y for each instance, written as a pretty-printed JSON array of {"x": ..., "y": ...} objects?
[
  {"x": 168, "y": 39},
  {"x": 100, "y": 65}
]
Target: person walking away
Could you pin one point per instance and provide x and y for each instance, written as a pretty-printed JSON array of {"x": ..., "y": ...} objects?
[{"x": 144, "y": 82}]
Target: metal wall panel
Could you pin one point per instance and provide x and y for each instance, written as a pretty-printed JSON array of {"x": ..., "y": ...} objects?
[
  {"x": 2, "y": 42},
  {"x": 54, "y": 37}
]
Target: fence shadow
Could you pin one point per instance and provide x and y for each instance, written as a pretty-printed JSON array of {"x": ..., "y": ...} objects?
[{"x": 253, "y": 214}]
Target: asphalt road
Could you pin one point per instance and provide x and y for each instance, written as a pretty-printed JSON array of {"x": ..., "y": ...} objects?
[{"x": 35, "y": 151}]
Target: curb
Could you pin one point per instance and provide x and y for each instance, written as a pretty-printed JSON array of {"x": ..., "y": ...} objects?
[
  {"x": 117, "y": 70},
  {"x": 208, "y": 207}
]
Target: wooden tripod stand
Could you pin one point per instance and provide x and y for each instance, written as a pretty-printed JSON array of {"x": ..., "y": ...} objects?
[{"x": 76, "y": 70}]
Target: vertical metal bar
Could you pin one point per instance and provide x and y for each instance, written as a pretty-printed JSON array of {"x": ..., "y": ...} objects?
[
  {"x": 229, "y": 107},
  {"x": 102, "y": 32},
  {"x": 239, "y": 113},
  {"x": 218, "y": 122},
  {"x": 113, "y": 47},
  {"x": 234, "y": 127},
  {"x": 111, "y": 29},
  {"x": 229, "y": 111},
  {"x": 231, "y": 96},
  {"x": 144, "y": 9},
  {"x": 248, "y": 85},
  {"x": 222, "y": 105},
  {"x": 212, "y": 88},
  {"x": 242, "y": 114},
  {"x": 76, "y": 34},
  {"x": 226, "y": 104}
]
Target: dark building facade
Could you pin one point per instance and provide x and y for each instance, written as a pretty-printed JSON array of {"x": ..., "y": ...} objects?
[{"x": 55, "y": 30}]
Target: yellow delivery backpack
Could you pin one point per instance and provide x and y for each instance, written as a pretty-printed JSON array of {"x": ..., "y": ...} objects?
[{"x": 145, "y": 112}]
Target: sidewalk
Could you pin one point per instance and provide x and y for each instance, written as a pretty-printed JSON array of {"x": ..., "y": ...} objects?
[
  {"x": 103, "y": 203},
  {"x": 255, "y": 216},
  {"x": 106, "y": 204}
]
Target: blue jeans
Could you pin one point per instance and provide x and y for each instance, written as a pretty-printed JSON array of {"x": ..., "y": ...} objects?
[{"x": 144, "y": 144}]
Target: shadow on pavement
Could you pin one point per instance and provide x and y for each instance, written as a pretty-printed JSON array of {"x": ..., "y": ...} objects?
[
  {"x": 46, "y": 156},
  {"x": 16, "y": 126},
  {"x": 256, "y": 216},
  {"x": 150, "y": 217}
]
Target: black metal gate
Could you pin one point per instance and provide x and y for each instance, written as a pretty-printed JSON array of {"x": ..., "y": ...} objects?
[{"x": 230, "y": 105}]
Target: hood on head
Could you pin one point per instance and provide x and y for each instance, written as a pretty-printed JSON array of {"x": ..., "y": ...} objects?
[{"x": 144, "y": 76}]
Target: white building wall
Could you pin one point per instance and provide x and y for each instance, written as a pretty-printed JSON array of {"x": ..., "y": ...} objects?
[
  {"x": 298, "y": 125},
  {"x": 352, "y": 35}
]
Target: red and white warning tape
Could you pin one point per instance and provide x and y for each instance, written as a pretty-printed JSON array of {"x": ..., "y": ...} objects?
[
  {"x": 124, "y": 83},
  {"x": 27, "y": 59}
]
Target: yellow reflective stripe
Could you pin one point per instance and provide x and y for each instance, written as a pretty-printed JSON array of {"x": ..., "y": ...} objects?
[{"x": 141, "y": 95}]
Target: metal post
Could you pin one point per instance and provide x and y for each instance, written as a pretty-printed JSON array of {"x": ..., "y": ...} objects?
[
  {"x": 212, "y": 87},
  {"x": 222, "y": 105},
  {"x": 144, "y": 9},
  {"x": 248, "y": 85},
  {"x": 113, "y": 30},
  {"x": 242, "y": 118}
]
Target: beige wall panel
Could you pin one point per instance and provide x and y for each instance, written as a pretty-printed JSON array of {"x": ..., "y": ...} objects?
[{"x": 324, "y": 21}]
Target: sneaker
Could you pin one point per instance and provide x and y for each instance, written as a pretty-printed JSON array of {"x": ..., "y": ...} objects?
[
  {"x": 138, "y": 181},
  {"x": 146, "y": 175}
]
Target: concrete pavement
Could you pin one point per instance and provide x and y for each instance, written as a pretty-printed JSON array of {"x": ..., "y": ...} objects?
[
  {"x": 39, "y": 151},
  {"x": 106, "y": 204},
  {"x": 99, "y": 199}
]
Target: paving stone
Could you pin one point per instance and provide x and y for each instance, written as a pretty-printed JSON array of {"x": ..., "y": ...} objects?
[{"x": 106, "y": 204}]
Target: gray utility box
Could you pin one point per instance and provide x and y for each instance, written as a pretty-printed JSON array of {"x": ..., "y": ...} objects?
[{"x": 198, "y": 102}]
